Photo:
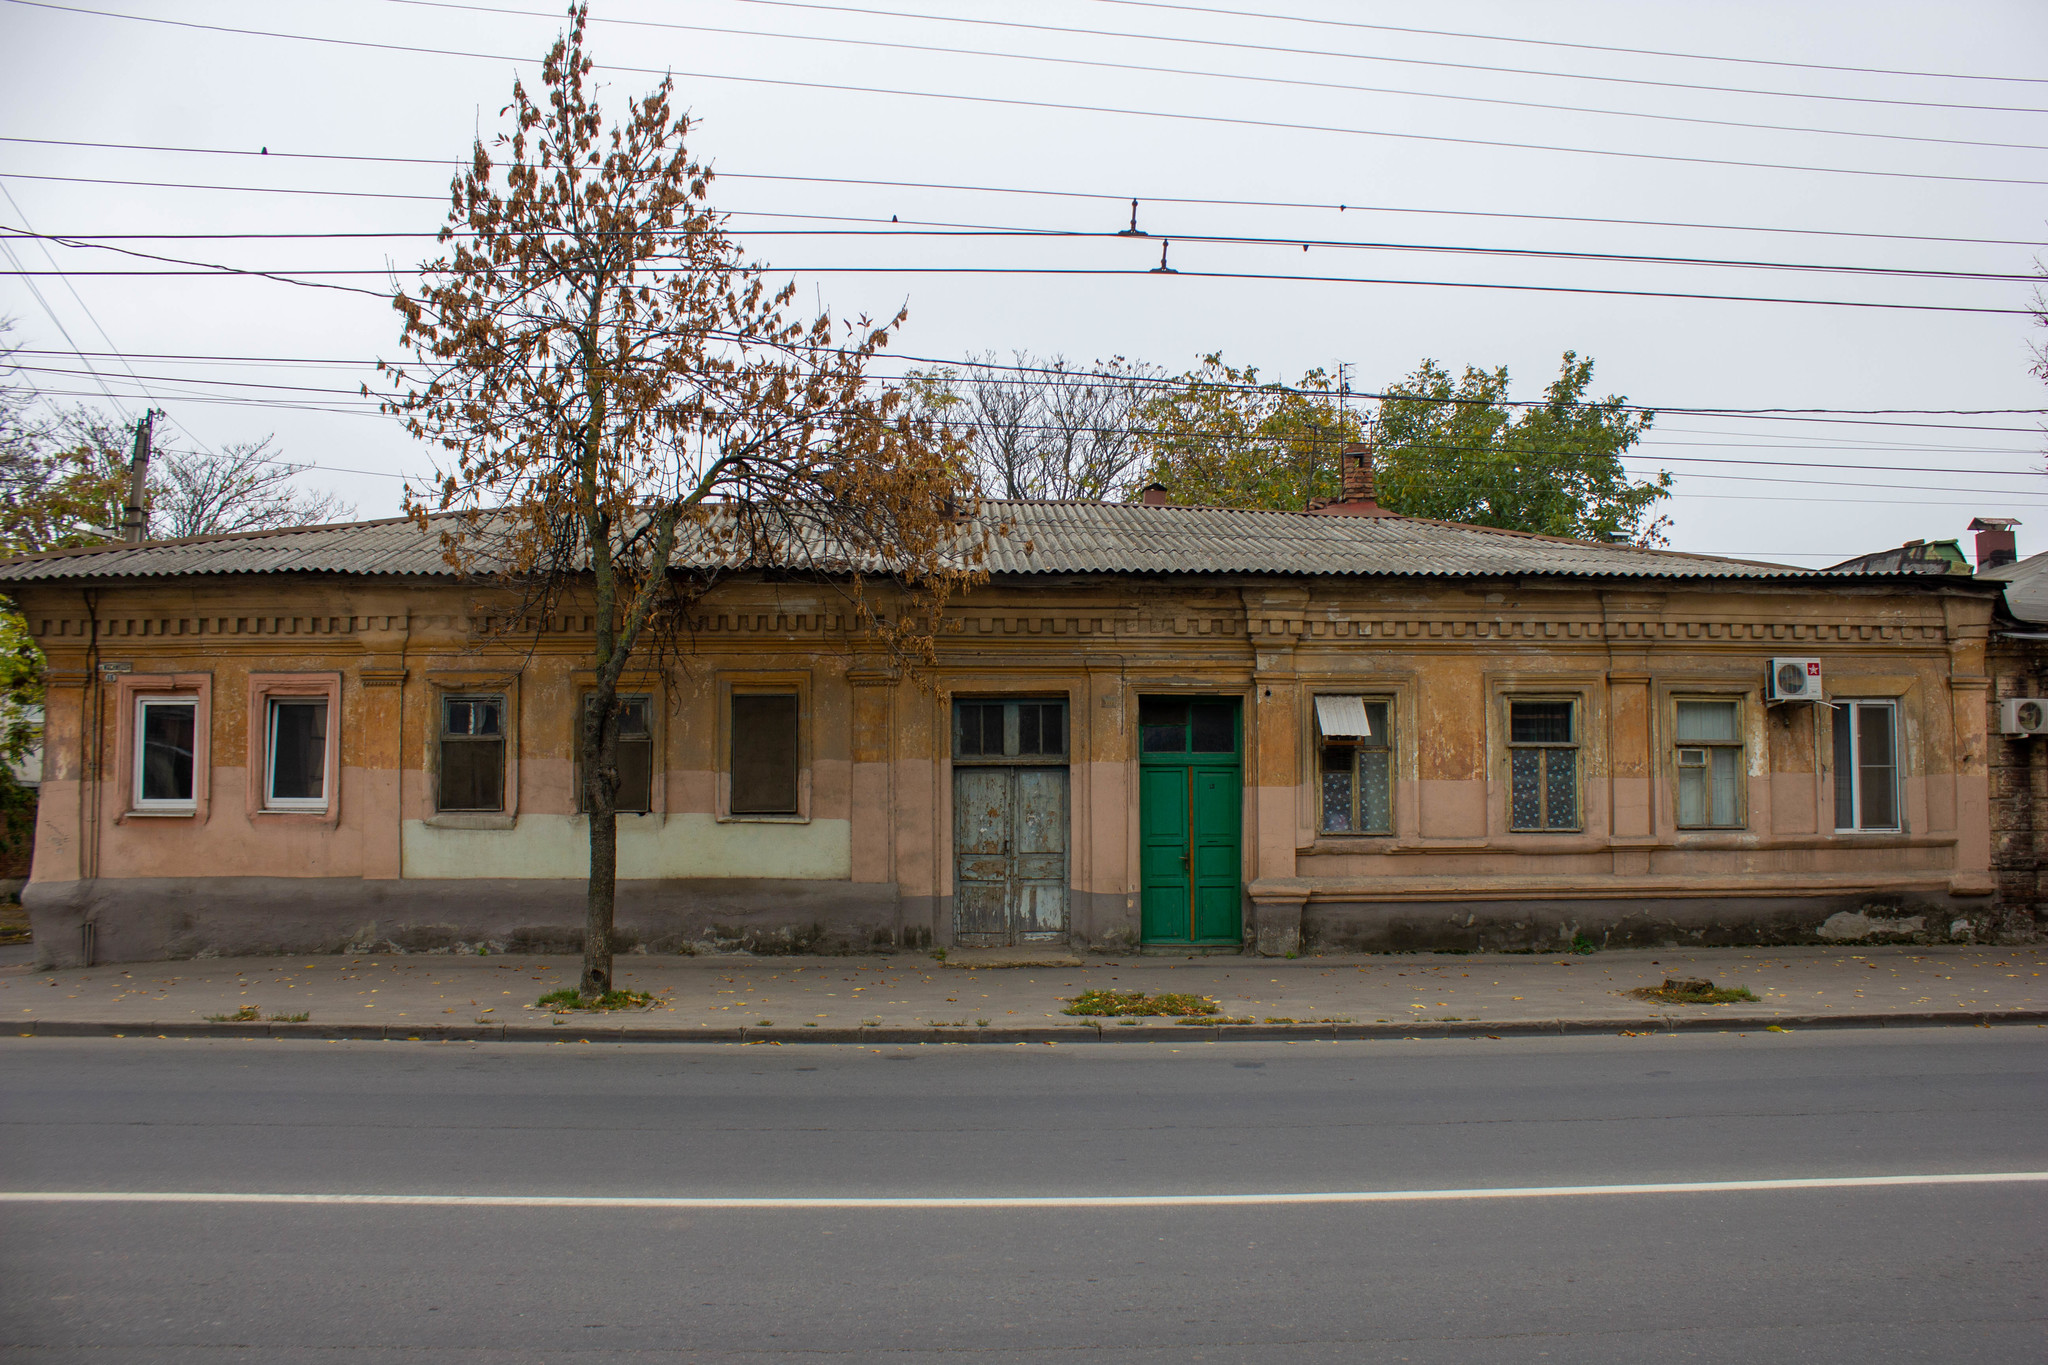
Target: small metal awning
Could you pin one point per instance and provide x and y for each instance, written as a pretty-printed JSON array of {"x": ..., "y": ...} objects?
[{"x": 1342, "y": 718}]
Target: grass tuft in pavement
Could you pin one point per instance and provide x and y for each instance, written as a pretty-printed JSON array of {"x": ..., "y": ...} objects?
[
  {"x": 568, "y": 998},
  {"x": 1116, "y": 1003},
  {"x": 1691, "y": 991}
]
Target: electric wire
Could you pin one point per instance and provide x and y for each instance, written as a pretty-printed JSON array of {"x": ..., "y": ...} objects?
[
  {"x": 1071, "y": 31},
  {"x": 1506, "y": 455},
  {"x": 1842, "y": 416},
  {"x": 1553, "y": 42},
  {"x": 454, "y": 163},
  {"x": 1014, "y": 102},
  {"x": 1297, "y": 82},
  {"x": 1001, "y": 232},
  {"x": 296, "y": 277}
]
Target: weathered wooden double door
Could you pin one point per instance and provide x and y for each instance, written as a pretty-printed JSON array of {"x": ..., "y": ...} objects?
[{"x": 1010, "y": 823}]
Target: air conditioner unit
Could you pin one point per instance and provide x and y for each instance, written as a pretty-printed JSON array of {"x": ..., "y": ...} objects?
[
  {"x": 1793, "y": 680},
  {"x": 2023, "y": 716}
]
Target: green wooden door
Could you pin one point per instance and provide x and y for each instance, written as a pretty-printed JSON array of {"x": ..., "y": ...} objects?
[{"x": 1190, "y": 820}]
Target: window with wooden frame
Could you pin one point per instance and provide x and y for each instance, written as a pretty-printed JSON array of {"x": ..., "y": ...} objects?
[
  {"x": 766, "y": 758},
  {"x": 1543, "y": 764},
  {"x": 166, "y": 754},
  {"x": 1866, "y": 765},
  {"x": 1009, "y": 729},
  {"x": 472, "y": 744},
  {"x": 636, "y": 753},
  {"x": 1356, "y": 753},
  {"x": 1707, "y": 736}
]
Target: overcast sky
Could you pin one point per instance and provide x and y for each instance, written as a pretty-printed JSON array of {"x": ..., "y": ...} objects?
[{"x": 1862, "y": 169}]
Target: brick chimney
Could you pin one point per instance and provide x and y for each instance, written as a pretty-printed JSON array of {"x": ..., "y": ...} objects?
[
  {"x": 1358, "y": 497},
  {"x": 1995, "y": 542},
  {"x": 1155, "y": 494},
  {"x": 1355, "y": 469}
]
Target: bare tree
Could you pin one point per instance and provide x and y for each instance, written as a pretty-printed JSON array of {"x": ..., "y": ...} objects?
[
  {"x": 1045, "y": 427},
  {"x": 241, "y": 487},
  {"x": 628, "y": 413}
]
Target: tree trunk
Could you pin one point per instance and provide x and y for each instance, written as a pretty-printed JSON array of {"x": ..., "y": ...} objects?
[{"x": 600, "y": 797}]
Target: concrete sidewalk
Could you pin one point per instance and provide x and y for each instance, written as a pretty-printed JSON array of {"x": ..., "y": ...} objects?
[{"x": 914, "y": 998}]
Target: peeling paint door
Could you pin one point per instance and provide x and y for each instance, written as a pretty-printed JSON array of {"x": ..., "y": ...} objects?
[
  {"x": 1009, "y": 822},
  {"x": 1010, "y": 856}
]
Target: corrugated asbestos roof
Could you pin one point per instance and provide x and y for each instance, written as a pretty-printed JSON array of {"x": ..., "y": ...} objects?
[{"x": 1043, "y": 537}]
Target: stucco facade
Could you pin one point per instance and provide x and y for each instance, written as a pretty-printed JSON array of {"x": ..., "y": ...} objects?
[{"x": 869, "y": 858}]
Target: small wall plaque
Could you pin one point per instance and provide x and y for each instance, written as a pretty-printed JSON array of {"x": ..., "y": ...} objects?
[{"x": 116, "y": 666}]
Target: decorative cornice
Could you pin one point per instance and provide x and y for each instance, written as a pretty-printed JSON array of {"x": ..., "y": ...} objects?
[{"x": 61, "y": 628}]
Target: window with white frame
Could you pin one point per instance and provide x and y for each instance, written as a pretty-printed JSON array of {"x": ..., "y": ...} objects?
[
  {"x": 1356, "y": 764},
  {"x": 1866, "y": 765},
  {"x": 1543, "y": 764},
  {"x": 1708, "y": 737},
  {"x": 166, "y": 738},
  {"x": 296, "y": 754}
]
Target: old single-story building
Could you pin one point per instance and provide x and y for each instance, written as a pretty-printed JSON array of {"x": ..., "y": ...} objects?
[{"x": 1164, "y": 727}]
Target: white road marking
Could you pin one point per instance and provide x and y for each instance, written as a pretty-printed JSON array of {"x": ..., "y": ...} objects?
[{"x": 1049, "y": 1201}]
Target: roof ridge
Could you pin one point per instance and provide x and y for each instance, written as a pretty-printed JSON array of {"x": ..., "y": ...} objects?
[
  {"x": 116, "y": 546},
  {"x": 1392, "y": 516}
]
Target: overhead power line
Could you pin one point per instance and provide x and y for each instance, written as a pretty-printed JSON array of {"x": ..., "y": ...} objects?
[
  {"x": 1505, "y": 456},
  {"x": 1843, "y": 416},
  {"x": 972, "y": 231},
  {"x": 298, "y": 277},
  {"x": 454, "y": 163},
  {"x": 365, "y": 410},
  {"x": 1013, "y": 102},
  {"x": 1658, "y": 455},
  {"x": 1243, "y": 76},
  {"x": 1553, "y": 42},
  {"x": 1182, "y": 39}
]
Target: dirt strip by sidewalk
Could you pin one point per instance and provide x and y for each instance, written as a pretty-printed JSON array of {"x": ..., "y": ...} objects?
[{"x": 914, "y": 998}]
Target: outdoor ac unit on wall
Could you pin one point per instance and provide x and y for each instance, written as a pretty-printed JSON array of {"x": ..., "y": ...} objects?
[
  {"x": 1793, "y": 680},
  {"x": 2023, "y": 716}
]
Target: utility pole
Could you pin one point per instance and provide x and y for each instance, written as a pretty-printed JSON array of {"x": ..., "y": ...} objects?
[{"x": 135, "y": 516}]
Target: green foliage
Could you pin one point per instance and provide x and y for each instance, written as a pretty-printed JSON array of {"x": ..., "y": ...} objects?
[
  {"x": 1217, "y": 436},
  {"x": 62, "y": 480},
  {"x": 1113, "y": 1003},
  {"x": 569, "y": 998},
  {"x": 1457, "y": 452},
  {"x": 1450, "y": 449},
  {"x": 1694, "y": 993}
]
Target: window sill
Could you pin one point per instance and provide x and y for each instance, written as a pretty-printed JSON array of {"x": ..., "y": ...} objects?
[
  {"x": 179, "y": 813},
  {"x": 764, "y": 819},
  {"x": 466, "y": 819}
]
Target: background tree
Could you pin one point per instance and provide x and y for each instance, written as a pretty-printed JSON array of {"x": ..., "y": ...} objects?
[
  {"x": 64, "y": 480},
  {"x": 1218, "y": 436},
  {"x": 1458, "y": 452},
  {"x": 244, "y": 486},
  {"x": 1046, "y": 427},
  {"x": 619, "y": 394},
  {"x": 2040, "y": 348}
]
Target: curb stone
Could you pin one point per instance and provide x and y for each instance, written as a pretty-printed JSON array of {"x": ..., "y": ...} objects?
[{"x": 1056, "y": 1033}]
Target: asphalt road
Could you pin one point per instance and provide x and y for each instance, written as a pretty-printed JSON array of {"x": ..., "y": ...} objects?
[{"x": 1900, "y": 1273}]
